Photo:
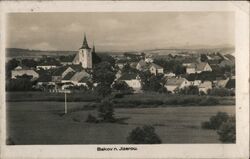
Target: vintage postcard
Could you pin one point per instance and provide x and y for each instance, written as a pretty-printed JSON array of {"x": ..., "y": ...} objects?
[{"x": 124, "y": 79}]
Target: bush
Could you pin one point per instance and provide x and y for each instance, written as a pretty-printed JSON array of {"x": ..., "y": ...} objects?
[
  {"x": 106, "y": 111},
  {"x": 220, "y": 92},
  {"x": 91, "y": 119},
  {"x": 227, "y": 131},
  {"x": 144, "y": 135},
  {"x": 215, "y": 121},
  {"x": 209, "y": 101}
]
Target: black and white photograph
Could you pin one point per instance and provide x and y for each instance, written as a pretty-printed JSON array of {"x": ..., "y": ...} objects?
[{"x": 121, "y": 78}]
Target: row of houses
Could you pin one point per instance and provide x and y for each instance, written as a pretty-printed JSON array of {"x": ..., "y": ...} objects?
[{"x": 174, "y": 84}]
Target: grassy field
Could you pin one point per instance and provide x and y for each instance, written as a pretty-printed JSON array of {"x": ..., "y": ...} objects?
[{"x": 40, "y": 123}]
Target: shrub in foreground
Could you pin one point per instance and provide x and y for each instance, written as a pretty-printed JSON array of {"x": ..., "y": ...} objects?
[
  {"x": 215, "y": 121},
  {"x": 144, "y": 135},
  {"x": 91, "y": 119},
  {"x": 227, "y": 131},
  {"x": 106, "y": 111}
]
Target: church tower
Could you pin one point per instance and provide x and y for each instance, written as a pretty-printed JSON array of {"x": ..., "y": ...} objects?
[{"x": 84, "y": 55}]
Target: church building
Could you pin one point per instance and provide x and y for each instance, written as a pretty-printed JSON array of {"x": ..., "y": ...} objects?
[{"x": 84, "y": 55}]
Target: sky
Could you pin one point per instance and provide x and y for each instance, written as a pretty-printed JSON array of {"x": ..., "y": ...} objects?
[{"x": 120, "y": 31}]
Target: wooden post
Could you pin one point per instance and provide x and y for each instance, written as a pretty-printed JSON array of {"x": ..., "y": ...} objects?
[{"x": 65, "y": 108}]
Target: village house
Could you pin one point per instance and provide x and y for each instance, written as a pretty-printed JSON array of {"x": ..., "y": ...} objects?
[
  {"x": 205, "y": 86},
  {"x": 45, "y": 83},
  {"x": 169, "y": 74},
  {"x": 20, "y": 71},
  {"x": 198, "y": 68},
  {"x": 47, "y": 65},
  {"x": 120, "y": 63},
  {"x": 174, "y": 84},
  {"x": 142, "y": 65},
  {"x": 156, "y": 69},
  {"x": 224, "y": 63},
  {"x": 75, "y": 77},
  {"x": 221, "y": 83},
  {"x": 195, "y": 82},
  {"x": 60, "y": 73},
  {"x": 132, "y": 80}
]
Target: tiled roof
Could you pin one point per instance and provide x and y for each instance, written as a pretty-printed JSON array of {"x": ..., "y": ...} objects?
[
  {"x": 142, "y": 63},
  {"x": 198, "y": 66},
  {"x": 84, "y": 80},
  {"x": 175, "y": 81},
  {"x": 77, "y": 68},
  {"x": 59, "y": 71},
  {"x": 156, "y": 66},
  {"x": 79, "y": 75},
  {"x": 68, "y": 76}
]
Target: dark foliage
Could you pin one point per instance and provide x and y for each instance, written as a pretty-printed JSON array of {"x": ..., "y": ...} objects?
[
  {"x": 227, "y": 131},
  {"x": 95, "y": 58},
  {"x": 106, "y": 111},
  {"x": 21, "y": 83},
  {"x": 29, "y": 63},
  {"x": 171, "y": 66},
  {"x": 191, "y": 90},
  {"x": 91, "y": 119},
  {"x": 221, "y": 92},
  {"x": 216, "y": 121},
  {"x": 151, "y": 82},
  {"x": 103, "y": 75},
  {"x": 10, "y": 65},
  {"x": 121, "y": 86},
  {"x": 209, "y": 101},
  {"x": 144, "y": 135}
]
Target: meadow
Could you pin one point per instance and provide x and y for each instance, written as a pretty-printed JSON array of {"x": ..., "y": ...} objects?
[{"x": 33, "y": 122}]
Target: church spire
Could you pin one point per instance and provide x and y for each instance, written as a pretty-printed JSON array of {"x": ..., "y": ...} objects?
[{"x": 85, "y": 43}]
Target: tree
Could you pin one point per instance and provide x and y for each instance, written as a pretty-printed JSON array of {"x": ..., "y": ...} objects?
[
  {"x": 103, "y": 75},
  {"x": 29, "y": 63},
  {"x": 216, "y": 121},
  {"x": 103, "y": 89},
  {"x": 179, "y": 69},
  {"x": 21, "y": 83},
  {"x": 152, "y": 82},
  {"x": 227, "y": 131},
  {"x": 121, "y": 86},
  {"x": 106, "y": 111},
  {"x": 204, "y": 58},
  {"x": 191, "y": 90},
  {"x": 144, "y": 135},
  {"x": 10, "y": 65},
  {"x": 96, "y": 59}
]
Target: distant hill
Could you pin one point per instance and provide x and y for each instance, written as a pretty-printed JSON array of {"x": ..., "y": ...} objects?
[{"x": 26, "y": 53}]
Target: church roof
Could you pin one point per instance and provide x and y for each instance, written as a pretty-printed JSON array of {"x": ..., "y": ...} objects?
[{"x": 85, "y": 43}]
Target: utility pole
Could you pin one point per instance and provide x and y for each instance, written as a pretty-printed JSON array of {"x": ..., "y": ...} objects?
[{"x": 65, "y": 103}]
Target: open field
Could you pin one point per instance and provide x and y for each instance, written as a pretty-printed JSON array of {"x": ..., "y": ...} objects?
[{"x": 40, "y": 123}]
